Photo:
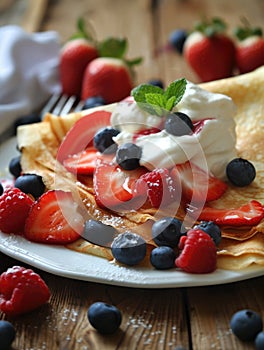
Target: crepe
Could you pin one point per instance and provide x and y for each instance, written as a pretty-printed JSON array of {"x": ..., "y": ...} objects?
[{"x": 240, "y": 246}]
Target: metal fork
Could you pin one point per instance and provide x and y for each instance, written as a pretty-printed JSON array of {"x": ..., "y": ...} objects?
[{"x": 60, "y": 105}]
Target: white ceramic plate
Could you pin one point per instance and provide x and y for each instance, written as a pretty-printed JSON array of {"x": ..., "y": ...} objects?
[{"x": 67, "y": 263}]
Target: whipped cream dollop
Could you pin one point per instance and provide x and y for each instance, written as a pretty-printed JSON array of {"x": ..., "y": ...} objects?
[{"x": 211, "y": 146}]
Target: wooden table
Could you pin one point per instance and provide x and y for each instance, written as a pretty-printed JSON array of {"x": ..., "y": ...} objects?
[{"x": 195, "y": 317}]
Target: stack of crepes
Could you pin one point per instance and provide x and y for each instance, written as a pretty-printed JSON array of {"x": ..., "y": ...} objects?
[{"x": 240, "y": 246}]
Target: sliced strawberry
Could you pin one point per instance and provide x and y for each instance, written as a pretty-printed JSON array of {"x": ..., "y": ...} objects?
[
  {"x": 198, "y": 186},
  {"x": 249, "y": 214},
  {"x": 160, "y": 187},
  {"x": 81, "y": 134},
  {"x": 114, "y": 186},
  {"x": 82, "y": 163},
  {"x": 54, "y": 219}
]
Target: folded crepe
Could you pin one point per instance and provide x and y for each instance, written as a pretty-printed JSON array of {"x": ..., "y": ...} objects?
[{"x": 240, "y": 246}]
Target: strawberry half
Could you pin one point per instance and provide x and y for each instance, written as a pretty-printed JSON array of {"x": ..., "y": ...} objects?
[
  {"x": 82, "y": 163},
  {"x": 249, "y": 214},
  {"x": 82, "y": 133},
  {"x": 54, "y": 219},
  {"x": 114, "y": 186},
  {"x": 198, "y": 186}
]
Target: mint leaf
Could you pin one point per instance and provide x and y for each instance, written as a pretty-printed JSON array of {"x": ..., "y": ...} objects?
[
  {"x": 154, "y": 99},
  {"x": 139, "y": 92},
  {"x": 176, "y": 89}
]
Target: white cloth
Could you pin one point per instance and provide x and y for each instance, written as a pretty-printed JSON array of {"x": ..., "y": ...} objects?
[{"x": 28, "y": 71}]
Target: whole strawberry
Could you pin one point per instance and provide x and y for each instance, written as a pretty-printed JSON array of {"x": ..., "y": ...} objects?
[
  {"x": 198, "y": 252},
  {"x": 250, "y": 48},
  {"x": 107, "y": 77},
  {"x": 111, "y": 75},
  {"x": 14, "y": 209},
  {"x": 21, "y": 290},
  {"x": 209, "y": 51},
  {"x": 74, "y": 57}
]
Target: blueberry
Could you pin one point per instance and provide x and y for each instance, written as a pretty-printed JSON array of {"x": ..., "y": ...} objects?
[
  {"x": 98, "y": 233},
  {"x": 168, "y": 231},
  {"x": 15, "y": 166},
  {"x": 1, "y": 189},
  {"x": 178, "y": 124},
  {"x": 162, "y": 258},
  {"x": 246, "y": 324},
  {"x": 156, "y": 82},
  {"x": 105, "y": 318},
  {"x": 211, "y": 229},
  {"x": 240, "y": 172},
  {"x": 103, "y": 140},
  {"x": 259, "y": 341},
  {"x": 129, "y": 248},
  {"x": 30, "y": 184},
  {"x": 177, "y": 39},
  {"x": 7, "y": 334},
  {"x": 93, "y": 101},
  {"x": 128, "y": 156}
]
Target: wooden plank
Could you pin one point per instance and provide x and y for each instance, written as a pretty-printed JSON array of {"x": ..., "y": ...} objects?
[
  {"x": 26, "y": 13},
  {"x": 211, "y": 309}
]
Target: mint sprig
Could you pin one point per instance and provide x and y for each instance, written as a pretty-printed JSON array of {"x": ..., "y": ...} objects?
[{"x": 155, "y": 100}]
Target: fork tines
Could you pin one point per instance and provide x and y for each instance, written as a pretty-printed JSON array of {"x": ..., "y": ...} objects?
[{"x": 61, "y": 105}]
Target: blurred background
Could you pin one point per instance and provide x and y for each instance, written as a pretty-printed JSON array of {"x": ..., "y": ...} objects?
[{"x": 147, "y": 24}]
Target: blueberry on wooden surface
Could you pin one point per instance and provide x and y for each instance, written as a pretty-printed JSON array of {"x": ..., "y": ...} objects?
[{"x": 105, "y": 318}]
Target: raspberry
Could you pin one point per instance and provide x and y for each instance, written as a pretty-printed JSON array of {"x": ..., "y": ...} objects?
[
  {"x": 198, "y": 253},
  {"x": 21, "y": 290},
  {"x": 159, "y": 186},
  {"x": 14, "y": 208}
]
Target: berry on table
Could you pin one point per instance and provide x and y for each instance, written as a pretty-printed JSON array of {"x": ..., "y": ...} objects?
[
  {"x": 7, "y": 334},
  {"x": 21, "y": 290},
  {"x": 246, "y": 324},
  {"x": 103, "y": 140},
  {"x": 128, "y": 156},
  {"x": 163, "y": 257},
  {"x": 105, "y": 318},
  {"x": 198, "y": 252},
  {"x": 240, "y": 172},
  {"x": 259, "y": 341},
  {"x": 168, "y": 231},
  {"x": 14, "y": 209},
  {"x": 30, "y": 184},
  {"x": 156, "y": 82},
  {"x": 129, "y": 248},
  {"x": 177, "y": 39}
]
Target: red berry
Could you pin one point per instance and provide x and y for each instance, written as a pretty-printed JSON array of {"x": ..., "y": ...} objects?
[
  {"x": 14, "y": 208},
  {"x": 21, "y": 290},
  {"x": 107, "y": 77},
  {"x": 160, "y": 187},
  {"x": 74, "y": 57},
  {"x": 198, "y": 253}
]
